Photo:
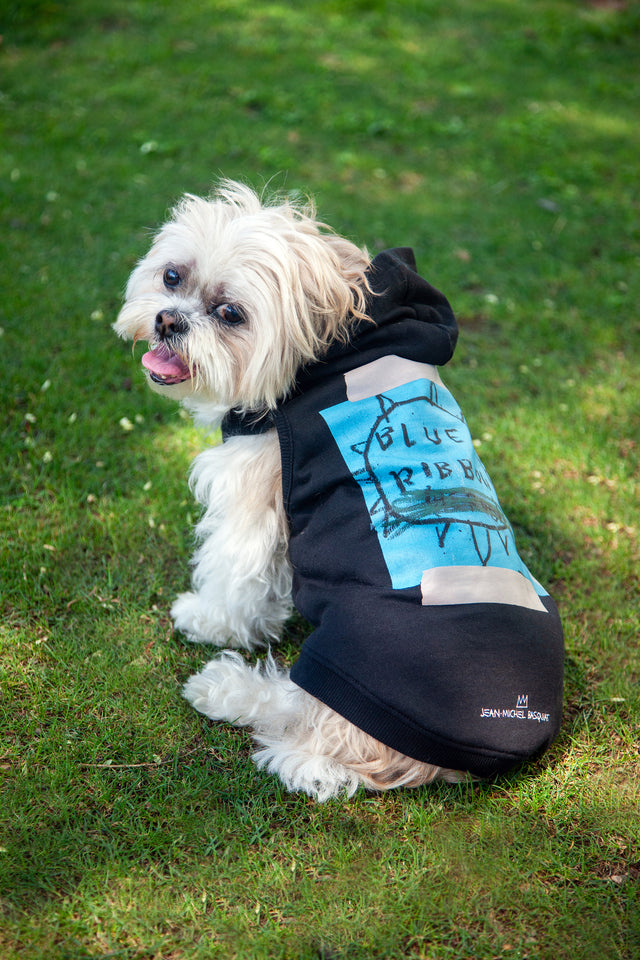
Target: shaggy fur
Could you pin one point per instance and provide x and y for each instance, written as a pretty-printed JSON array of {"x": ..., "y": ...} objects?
[{"x": 237, "y": 294}]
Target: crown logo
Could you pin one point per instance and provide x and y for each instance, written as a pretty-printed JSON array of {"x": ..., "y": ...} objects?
[{"x": 523, "y": 700}]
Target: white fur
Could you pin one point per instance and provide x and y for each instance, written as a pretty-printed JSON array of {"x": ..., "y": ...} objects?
[
  {"x": 295, "y": 282},
  {"x": 242, "y": 577},
  {"x": 299, "y": 288}
]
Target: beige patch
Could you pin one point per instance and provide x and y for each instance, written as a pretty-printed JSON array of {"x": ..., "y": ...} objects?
[
  {"x": 443, "y": 586},
  {"x": 385, "y": 374}
]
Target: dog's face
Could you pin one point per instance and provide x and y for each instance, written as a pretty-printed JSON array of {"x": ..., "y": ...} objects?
[{"x": 234, "y": 296}]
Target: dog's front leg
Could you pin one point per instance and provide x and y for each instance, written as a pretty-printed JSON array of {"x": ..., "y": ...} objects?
[{"x": 242, "y": 576}]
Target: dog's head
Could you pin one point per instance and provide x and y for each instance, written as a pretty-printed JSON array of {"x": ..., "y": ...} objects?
[{"x": 236, "y": 294}]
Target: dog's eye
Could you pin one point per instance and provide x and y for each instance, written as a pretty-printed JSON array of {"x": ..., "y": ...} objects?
[
  {"x": 228, "y": 313},
  {"x": 171, "y": 277}
]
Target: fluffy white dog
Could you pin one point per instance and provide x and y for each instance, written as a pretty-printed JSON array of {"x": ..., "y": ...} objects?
[{"x": 347, "y": 479}]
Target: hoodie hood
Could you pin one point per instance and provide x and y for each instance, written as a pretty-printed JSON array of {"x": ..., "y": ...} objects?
[{"x": 410, "y": 319}]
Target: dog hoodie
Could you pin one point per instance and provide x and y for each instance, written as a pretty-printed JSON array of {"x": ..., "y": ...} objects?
[{"x": 430, "y": 632}]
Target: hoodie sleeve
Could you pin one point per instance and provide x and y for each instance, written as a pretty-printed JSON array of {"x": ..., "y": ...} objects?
[{"x": 400, "y": 293}]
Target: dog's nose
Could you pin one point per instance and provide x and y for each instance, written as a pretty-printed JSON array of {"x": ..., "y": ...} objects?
[{"x": 169, "y": 322}]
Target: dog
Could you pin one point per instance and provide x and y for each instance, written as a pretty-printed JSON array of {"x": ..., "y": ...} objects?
[{"x": 347, "y": 485}]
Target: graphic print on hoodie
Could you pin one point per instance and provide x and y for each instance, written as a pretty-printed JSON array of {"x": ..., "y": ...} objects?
[{"x": 429, "y": 497}]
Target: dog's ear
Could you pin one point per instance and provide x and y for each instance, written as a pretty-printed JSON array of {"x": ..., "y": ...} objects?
[
  {"x": 351, "y": 266},
  {"x": 333, "y": 279},
  {"x": 318, "y": 287}
]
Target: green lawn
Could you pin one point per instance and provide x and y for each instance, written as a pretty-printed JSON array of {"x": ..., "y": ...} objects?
[{"x": 499, "y": 139}]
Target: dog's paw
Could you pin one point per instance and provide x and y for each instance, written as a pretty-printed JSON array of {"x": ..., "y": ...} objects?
[
  {"x": 228, "y": 688},
  {"x": 201, "y": 689},
  {"x": 205, "y": 622},
  {"x": 223, "y": 690},
  {"x": 200, "y": 622}
]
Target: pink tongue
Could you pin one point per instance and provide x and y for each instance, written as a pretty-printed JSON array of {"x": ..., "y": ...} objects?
[{"x": 164, "y": 363}]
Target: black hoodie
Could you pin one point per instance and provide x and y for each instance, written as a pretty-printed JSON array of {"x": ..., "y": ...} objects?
[{"x": 430, "y": 633}]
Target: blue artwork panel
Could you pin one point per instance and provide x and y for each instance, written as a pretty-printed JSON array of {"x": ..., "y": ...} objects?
[{"x": 429, "y": 497}]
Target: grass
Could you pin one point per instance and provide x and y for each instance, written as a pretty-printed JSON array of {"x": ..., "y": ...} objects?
[{"x": 500, "y": 140}]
